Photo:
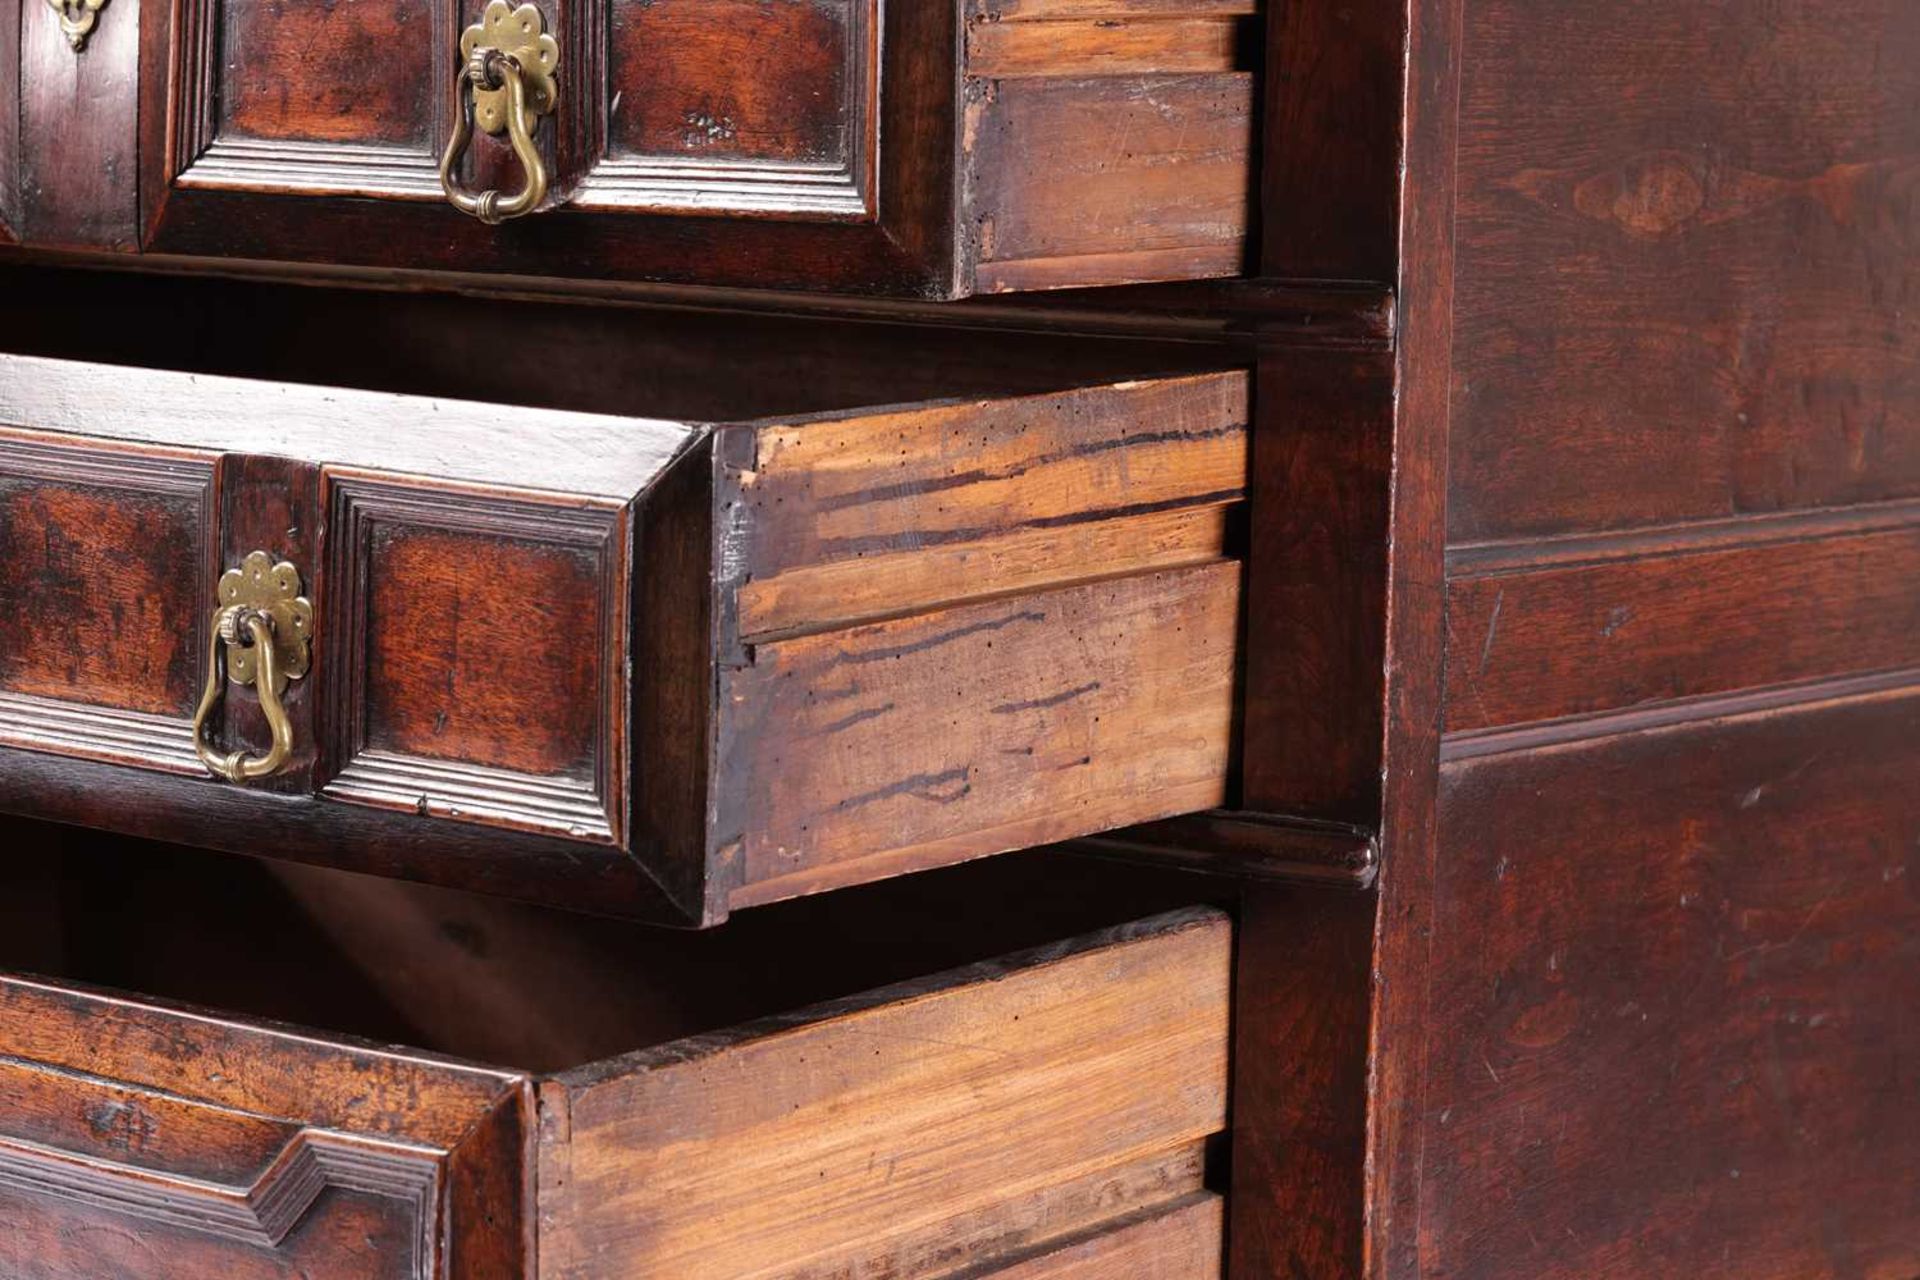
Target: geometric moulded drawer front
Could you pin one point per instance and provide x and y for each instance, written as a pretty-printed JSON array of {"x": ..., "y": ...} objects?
[
  {"x": 1027, "y": 144},
  {"x": 653, "y": 668}
]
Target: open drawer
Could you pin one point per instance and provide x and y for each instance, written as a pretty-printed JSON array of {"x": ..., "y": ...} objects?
[
  {"x": 639, "y": 666},
  {"x": 663, "y": 1114}
]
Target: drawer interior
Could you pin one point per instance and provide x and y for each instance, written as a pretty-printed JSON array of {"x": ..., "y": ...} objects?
[
  {"x": 514, "y": 984},
  {"x": 687, "y": 360}
]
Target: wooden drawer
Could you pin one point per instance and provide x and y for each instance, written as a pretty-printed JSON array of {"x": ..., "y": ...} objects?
[
  {"x": 1043, "y": 1113},
  {"x": 924, "y": 148},
  {"x": 648, "y": 667}
]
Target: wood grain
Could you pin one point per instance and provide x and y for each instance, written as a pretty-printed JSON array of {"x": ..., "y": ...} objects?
[
  {"x": 1335, "y": 133},
  {"x": 973, "y": 730},
  {"x": 360, "y": 71},
  {"x": 9, "y": 129},
  {"x": 168, "y": 1139},
  {"x": 804, "y": 1147},
  {"x": 1105, "y": 44},
  {"x": 104, "y": 573},
  {"x": 1106, "y": 180},
  {"x": 477, "y": 647},
  {"x": 493, "y": 677},
  {"x": 78, "y": 164},
  {"x": 1685, "y": 242},
  {"x": 1676, "y": 971},
  {"x": 1764, "y": 603},
  {"x": 1182, "y": 1242},
  {"x": 857, "y": 517},
  {"x": 1303, "y": 1012},
  {"x": 582, "y": 455},
  {"x": 1316, "y": 694},
  {"x": 742, "y": 80}
]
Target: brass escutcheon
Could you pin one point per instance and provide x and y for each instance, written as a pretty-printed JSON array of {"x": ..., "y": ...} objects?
[
  {"x": 262, "y": 635},
  {"x": 506, "y": 82}
]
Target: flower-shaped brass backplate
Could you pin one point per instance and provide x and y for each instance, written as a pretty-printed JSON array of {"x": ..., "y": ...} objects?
[
  {"x": 521, "y": 34},
  {"x": 273, "y": 591}
]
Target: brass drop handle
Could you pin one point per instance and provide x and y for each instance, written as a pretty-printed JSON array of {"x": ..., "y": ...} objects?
[
  {"x": 506, "y": 83},
  {"x": 262, "y": 635}
]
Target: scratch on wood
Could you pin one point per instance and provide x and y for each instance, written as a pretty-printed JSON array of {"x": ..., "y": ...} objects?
[{"x": 1037, "y": 704}]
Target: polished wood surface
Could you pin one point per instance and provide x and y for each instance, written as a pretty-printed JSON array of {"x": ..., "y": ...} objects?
[
  {"x": 1728, "y": 974},
  {"x": 1682, "y": 273},
  {"x": 1678, "y": 483}
]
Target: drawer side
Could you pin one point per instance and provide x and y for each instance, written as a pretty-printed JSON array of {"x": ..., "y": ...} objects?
[{"x": 975, "y": 1120}]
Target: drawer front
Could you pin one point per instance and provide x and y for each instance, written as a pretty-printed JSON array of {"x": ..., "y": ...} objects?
[
  {"x": 1044, "y": 1115},
  {"x": 733, "y": 142},
  {"x": 142, "y": 1141},
  {"x": 651, "y": 668}
]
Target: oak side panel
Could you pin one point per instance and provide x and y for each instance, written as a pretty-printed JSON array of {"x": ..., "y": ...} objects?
[
  {"x": 1185, "y": 1242},
  {"x": 1686, "y": 256},
  {"x": 1680, "y": 621},
  {"x": 914, "y": 1130},
  {"x": 1077, "y": 181},
  {"x": 1673, "y": 1014},
  {"x": 850, "y": 755},
  {"x": 841, "y": 519}
]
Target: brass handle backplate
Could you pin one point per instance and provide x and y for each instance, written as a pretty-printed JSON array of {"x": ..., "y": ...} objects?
[
  {"x": 508, "y": 65},
  {"x": 262, "y": 636},
  {"x": 76, "y": 19}
]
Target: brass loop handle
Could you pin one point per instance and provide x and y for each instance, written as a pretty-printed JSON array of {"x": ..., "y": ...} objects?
[
  {"x": 237, "y": 766},
  {"x": 260, "y": 635},
  {"x": 505, "y": 84}
]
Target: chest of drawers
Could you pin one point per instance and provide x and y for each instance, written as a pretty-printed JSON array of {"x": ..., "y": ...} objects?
[{"x": 959, "y": 639}]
